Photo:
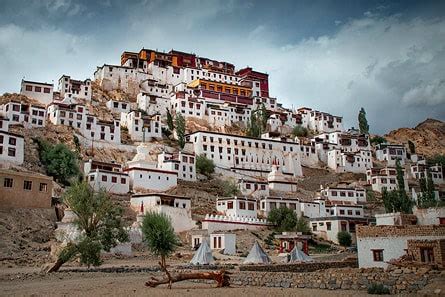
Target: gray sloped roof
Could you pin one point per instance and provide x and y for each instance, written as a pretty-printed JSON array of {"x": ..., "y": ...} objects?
[
  {"x": 203, "y": 255},
  {"x": 257, "y": 255},
  {"x": 296, "y": 255}
]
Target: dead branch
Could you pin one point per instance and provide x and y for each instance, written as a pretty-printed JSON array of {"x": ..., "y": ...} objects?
[{"x": 221, "y": 277}]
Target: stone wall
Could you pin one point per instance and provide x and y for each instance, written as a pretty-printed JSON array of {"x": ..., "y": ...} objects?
[
  {"x": 400, "y": 231},
  {"x": 437, "y": 246},
  {"x": 301, "y": 267},
  {"x": 404, "y": 280}
]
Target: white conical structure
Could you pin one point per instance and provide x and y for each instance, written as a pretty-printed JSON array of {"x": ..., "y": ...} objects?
[
  {"x": 203, "y": 255},
  {"x": 257, "y": 255},
  {"x": 296, "y": 255}
]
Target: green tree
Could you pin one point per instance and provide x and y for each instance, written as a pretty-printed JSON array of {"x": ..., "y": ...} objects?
[
  {"x": 204, "y": 165},
  {"x": 284, "y": 219},
  {"x": 263, "y": 117},
  {"x": 99, "y": 222},
  {"x": 159, "y": 235},
  {"x": 397, "y": 200},
  {"x": 303, "y": 226},
  {"x": 427, "y": 198},
  {"x": 377, "y": 140},
  {"x": 59, "y": 161},
  {"x": 363, "y": 122},
  {"x": 412, "y": 147},
  {"x": 170, "y": 123},
  {"x": 253, "y": 127},
  {"x": 180, "y": 130},
  {"x": 230, "y": 188},
  {"x": 300, "y": 131},
  {"x": 344, "y": 238}
]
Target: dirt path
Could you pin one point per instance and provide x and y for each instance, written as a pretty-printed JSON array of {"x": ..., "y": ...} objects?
[{"x": 132, "y": 284}]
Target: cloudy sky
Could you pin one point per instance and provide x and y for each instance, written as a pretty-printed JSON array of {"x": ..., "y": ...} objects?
[{"x": 335, "y": 56}]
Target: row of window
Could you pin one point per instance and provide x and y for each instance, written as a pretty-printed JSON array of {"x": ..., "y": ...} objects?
[
  {"x": 27, "y": 184},
  {"x": 343, "y": 194},
  {"x": 37, "y": 89},
  {"x": 242, "y": 142},
  {"x": 11, "y": 151},
  {"x": 104, "y": 178}
]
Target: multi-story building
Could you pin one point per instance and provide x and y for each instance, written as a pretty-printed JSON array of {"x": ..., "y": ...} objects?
[
  {"x": 391, "y": 153},
  {"x": 320, "y": 122},
  {"x": 78, "y": 89},
  {"x": 107, "y": 176},
  {"x": 356, "y": 162},
  {"x": 249, "y": 155},
  {"x": 241, "y": 207},
  {"x": 384, "y": 178},
  {"x": 219, "y": 87},
  {"x": 41, "y": 92},
  {"x": 118, "y": 106},
  {"x": 142, "y": 127},
  {"x": 253, "y": 187},
  {"x": 12, "y": 146},
  {"x": 259, "y": 81},
  {"x": 25, "y": 190},
  {"x": 114, "y": 77},
  {"x": 182, "y": 162},
  {"x": 153, "y": 104},
  {"x": 344, "y": 193},
  {"x": 26, "y": 114}
]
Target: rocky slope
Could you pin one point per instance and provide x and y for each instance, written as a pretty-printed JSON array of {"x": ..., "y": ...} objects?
[{"x": 428, "y": 136}]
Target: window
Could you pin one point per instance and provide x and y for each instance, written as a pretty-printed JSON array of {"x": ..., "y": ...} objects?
[
  {"x": 28, "y": 88},
  {"x": 104, "y": 178},
  {"x": 11, "y": 152},
  {"x": 46, "y": 90},
  {"x": 7, "y": 183},
  {"x": 377, "y": 255},
  {"x": 43, "y": 187},
  {"x": 427, "y": 255},
  {"x": 230, "y": 205},
  {"x": 242, "y": 205},
  {"x": 314, "y": 227},
  {"x": 27, "y": 185},
  {"x": 38, "y": 89},
  {"x": 114, "y": 179},
  {"x": 123, "y": 181},
  {"x": 328, "y": 226},
  {"x": 251, "y": 206}
]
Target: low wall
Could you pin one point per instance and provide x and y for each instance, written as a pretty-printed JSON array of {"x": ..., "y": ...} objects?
[
  {"x": 398, "y": 281},
  {"x": 300, "y": 267}
]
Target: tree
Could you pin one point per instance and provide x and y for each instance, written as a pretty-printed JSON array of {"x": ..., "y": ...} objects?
[
  {"x": 363, "y": 122},
  {"x": 170, "y": 123},
  {"x": 162, "y": 241},
  {"x": 230, "y": 188},
  {"x": 303, "y": 226},
  {"x": 378, "y": 140},
  {"x": 263, "y": 117},
  {"x": 99, "y": 222},
  {"x": 427, "y": 197},
  {"x": 204, "y": 165},
  {"x": 412, "y": 147},
  {"x": 284, "y": 219},
  {"x": 344, "y": 238},
  {"x": 180, "y": 130},
  {"x": 59, "y": 161},
  {"x": 397, "y": 200},
  {"x": 300, "y": 131},
  {"x": 253, "y": 129}
]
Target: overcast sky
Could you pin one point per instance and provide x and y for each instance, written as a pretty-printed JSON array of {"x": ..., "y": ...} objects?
[{"x": 335, "y": 56}]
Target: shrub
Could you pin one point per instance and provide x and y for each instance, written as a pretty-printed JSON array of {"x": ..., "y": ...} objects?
[
  {"x": 284, "y": 219},
  {"x": 230, "y": 188},
  {"x": 378, "y": 140},
  {"x": 303, "y": 226},
  {"x": 300, "y": 131},
  {"x": 344, "y": 238},
  {"x": 378, "y": 289},
  {"x": 204, "y": 166}
]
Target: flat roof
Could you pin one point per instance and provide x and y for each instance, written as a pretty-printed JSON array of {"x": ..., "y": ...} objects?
[
  {"x": 239, "y": 136},
  {"x": 138, "y": 195}
]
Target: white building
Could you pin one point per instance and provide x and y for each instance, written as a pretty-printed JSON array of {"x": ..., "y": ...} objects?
[
  {"x": 183, "y": 163},
  {"x": 107, "y": 176},
  {"x": 26, "y": 114},
  {"x": 118, "y": 106},
  {"x": 419, "y": 171},
  {"x": 145, "y": 176},
  {"x": 78, "y": 89},
  {"x": 12, "y": 146},
  {"x": 269, "y": 203},
  {"x": 237, "y": 207},
  {"x": 252, "y": 187},
  {"x": 142, "y": 127},
  {"x": 344, "y": 141},
  {"x": 178, "y": 208},
  {"x": 153, "y": 104},
  {"x": 250, "y": 156},
  {"x": 344, "y": 193},
  {"x": 356, "y": 162},
  {"x": 114, "y": 77},
  {"x": 41, "y": 92},
  {"x": 320, "y": 121},
  {"x": 391, "y": 153},
  {"x": 383, "y": 178},
  {"x": 225, "y": 242}
]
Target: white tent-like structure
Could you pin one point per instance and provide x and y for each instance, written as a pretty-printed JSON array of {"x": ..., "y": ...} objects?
[
  {"x": 296, "y": 255},
  {"x": 203, "y": 256},
  {"x": 257, "y": 255}
]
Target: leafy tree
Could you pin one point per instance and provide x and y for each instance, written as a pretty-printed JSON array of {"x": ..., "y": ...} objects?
[
  {"x": 427, "y": 198},
  {"x": 378, "y": 140},
  {"x": 230, "y": 188},
  {"x": 170, "y": 123},
  {"x": 284, "y": 219},
  {"x": 59, "y": 161},
  {"x": 263, "y": 117},
  {"x": 99, "y": 222},
  {"x": 204, "y": 165},
  {"x": 437, "y": 159},
  {"x": 303, "y": 226},
  {"x": 300, "y": 131},
  {"x": 180, "y": 130},
  {"x": 253, "y": 128},
  {"x": 344, "y": 238},
  {"x": 363, "y": 122},
  {"x": 397, "y": 200},
  {"x": 412, "y": 147},
  {"x": 159, "y": 235}
]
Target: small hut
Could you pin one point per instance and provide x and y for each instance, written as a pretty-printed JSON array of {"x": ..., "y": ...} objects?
[{"x": 257, "y": 255}]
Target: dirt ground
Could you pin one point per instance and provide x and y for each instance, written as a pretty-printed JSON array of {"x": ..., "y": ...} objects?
[{"x": 132, "y": 284}]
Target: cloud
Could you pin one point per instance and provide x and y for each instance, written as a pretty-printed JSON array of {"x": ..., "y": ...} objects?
[{"x": 431, "y": 94}]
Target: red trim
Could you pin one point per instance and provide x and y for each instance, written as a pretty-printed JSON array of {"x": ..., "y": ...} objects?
[
  {"x": 237, "y": 223},
  {"x": 149, "y": 170}
]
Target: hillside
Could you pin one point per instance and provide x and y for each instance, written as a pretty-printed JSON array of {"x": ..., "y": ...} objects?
[{"x": 428, "y": 136}]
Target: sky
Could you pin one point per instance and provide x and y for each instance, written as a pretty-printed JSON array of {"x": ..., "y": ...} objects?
[{"x": 335, "y": 56}]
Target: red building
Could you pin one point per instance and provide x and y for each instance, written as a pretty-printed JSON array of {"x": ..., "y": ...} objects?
[{"x": 249, "y": 74}]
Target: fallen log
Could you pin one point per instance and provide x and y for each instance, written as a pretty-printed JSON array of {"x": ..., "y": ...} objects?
[{"x": 221, "y": 277}]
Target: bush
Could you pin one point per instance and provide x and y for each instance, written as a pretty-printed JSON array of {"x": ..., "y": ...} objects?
[
  {"x": 300, "y": 131},
  {"x": 344, "y": 238},
  {"x": 230, "y": 188},
  {"x": 284, "y": 219},
  {"x": 378, "y": 289},
  {"x": 377, "y": 140},
  {"x": 303, "y": 226},
  {"x": 204, "y": 166}
]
